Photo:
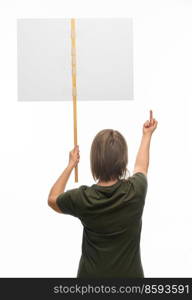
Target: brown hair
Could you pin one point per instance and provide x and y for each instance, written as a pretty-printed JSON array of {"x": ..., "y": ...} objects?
[{"x": 109, "y": 155}]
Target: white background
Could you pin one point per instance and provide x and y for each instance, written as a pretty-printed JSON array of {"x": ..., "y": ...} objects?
[{"x": 36, "y": 139}]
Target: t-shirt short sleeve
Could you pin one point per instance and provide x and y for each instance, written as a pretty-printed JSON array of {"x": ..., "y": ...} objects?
[
  {"x": 140, "y": 185},
  {"x": 67, "y": 202}
]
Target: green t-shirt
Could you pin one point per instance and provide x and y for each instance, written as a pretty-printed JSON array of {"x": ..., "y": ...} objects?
[{"x": 112, "y": 220}]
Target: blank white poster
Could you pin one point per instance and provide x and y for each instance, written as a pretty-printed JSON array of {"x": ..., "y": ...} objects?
[{"x": 104, "y": 52}]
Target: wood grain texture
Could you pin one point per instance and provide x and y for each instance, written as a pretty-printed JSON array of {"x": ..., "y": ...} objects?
[{"x": 74, "y": 88}]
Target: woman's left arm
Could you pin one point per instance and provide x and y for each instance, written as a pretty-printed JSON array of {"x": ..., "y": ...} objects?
[{"x": 60, "y": 184}]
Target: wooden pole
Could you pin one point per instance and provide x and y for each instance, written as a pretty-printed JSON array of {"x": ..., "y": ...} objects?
[{"x": 74, "y": 88}]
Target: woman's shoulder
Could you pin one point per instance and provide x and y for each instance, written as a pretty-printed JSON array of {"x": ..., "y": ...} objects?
[{"x": 136, "y": 176}]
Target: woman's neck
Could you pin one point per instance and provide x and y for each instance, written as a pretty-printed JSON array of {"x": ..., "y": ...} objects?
[{"x": 107, "y": 183}]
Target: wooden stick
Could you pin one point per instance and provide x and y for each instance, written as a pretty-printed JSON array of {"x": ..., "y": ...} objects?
[{"x": 74, "y": 88}]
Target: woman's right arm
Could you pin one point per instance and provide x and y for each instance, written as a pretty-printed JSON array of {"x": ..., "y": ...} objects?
[{"x": 142, "y": 158}]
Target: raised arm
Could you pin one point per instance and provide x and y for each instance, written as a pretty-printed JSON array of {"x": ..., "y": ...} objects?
[
  {"x": 60, "y": 184},
  {"x": 142, "y": 158}
]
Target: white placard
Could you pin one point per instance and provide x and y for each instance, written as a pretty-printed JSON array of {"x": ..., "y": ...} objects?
[{"x": 104, "y": 57}]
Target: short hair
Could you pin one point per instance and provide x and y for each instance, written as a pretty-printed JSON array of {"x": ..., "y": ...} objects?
[{"x": 109, "y": 156}]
